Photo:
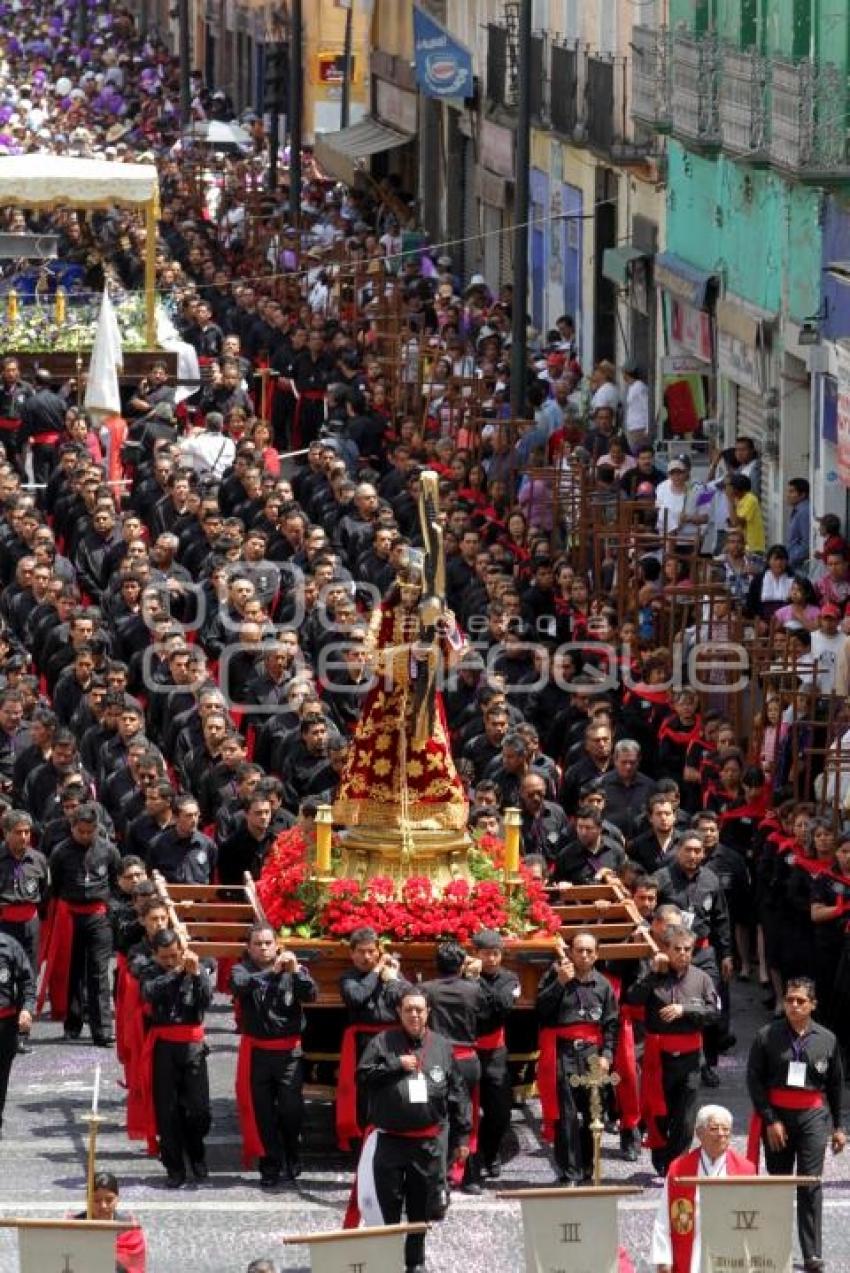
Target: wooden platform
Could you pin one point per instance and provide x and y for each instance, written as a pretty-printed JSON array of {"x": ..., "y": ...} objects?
[{"x": 64, "y": 365}]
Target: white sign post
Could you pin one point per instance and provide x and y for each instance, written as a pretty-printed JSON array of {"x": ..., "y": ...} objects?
[
  {"x": 747, "y": 1222},
  {"x": 571, "y": 1230},
  {"x": 373, "y": 1250},
  {"x": 65, "y": 1246}
]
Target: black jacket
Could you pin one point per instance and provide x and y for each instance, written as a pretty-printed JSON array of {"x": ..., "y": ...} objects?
[
  {"x": 770, "y": 1055},
  {"x": 386, "y": 1084},
  {"x": 270, "y": 1003}
]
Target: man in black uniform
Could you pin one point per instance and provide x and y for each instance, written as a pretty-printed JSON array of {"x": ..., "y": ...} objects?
[
  {"x": 591, "y": 851},
  {"x": 14, "y": 393},
  {"x": 43, "y": 424},
  {"x": 178, "y": 990},
  {"x": 697, "y": 891},
  {"x": 795, "y": 1080},
  {"x": 680, "y": 1002},
  {"x": 417, "y": 1097},
  {"x": 23, "y": 882},
  {"x": 503, "y": 991},
  {"x": 457, "y": 1001},
  {"x": 579, "y": 1019},
  {"x": 17, "y": 1005},
  {"x": 371, "y": 991},
  {"x": 271, "y": 987},
  {"x": 83, "y": 877}
]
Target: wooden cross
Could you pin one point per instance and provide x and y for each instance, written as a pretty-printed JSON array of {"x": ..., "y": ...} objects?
[{"x": 594, "y": 1079}]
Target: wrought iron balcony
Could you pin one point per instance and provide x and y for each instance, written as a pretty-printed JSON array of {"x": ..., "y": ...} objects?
[
  {"x": 564, "y": 90},
  {"x": 742, "y": 104},
  {"x": 809, "y": 136},
  {"x": 694, "y": 91},
  {"x": 650, "y": 88}
]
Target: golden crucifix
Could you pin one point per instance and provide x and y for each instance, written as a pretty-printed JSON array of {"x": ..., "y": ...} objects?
[{"x": 594, "y": 1079}]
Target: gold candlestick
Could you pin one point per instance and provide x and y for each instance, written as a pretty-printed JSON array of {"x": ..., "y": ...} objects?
[
  {"x": 513, "y": 822},
  {"x": 324, "y": 823}
]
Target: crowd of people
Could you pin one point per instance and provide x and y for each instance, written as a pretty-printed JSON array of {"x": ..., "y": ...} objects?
[{"x": 184, "y": 655}]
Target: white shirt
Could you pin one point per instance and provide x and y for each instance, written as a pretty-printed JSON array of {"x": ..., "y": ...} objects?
[
  {"x": 827, "y": 651},
  {"x": 662, "y": 1246},
  {"x": 607, "y": 395},
  {"x": 209, "y": 452},
  {"x": 637, "y": 408}
]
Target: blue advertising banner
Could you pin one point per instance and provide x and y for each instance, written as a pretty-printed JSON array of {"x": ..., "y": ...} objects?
[{"x": 443, "y": 66}]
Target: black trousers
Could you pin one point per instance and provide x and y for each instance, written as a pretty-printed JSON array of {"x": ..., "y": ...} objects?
[
  {"x": 8, "y": 1052},
  {"x": 573, "y": 1141},
  {"x": 410, "y": 1179},
  {"x": 181, "y": 1094},
  {"x": 680, "y": 1079},
  {"x": 496, "y": 1095},
  {"x": 27, "y": 935},
  {"x": 276, "y": 1082},
  {"x": 808, "y": 1132},
  {"x": 88, "y": 983},
  {"x": 706, "y": 960},
  {"x": 43, "y": 464}
]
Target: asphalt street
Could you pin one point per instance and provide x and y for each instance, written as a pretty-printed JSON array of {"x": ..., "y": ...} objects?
[{"x": 220, "y": 1226}]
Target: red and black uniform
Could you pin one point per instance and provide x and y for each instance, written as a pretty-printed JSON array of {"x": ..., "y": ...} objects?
[
  {"x": 502, "y": 990},
  {"x": 411, "y": 1115},
  {"x": 372, "y": 1005},
  {"x": 674, "y": 740},
  {"x": 456, "y": 1004},
  {"x": 672, "y": 1056},
  {"x": 17, "y": 991},
  {"x": 174, "y": 1064},
  {"x": 23, "y": 889},
  {"x": 270, "y": 1073},
  {"x": 578, "y": 1020},
  {"x": 798, "y": 1080}
]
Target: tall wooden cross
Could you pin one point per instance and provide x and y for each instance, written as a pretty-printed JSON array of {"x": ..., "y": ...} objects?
[{"x": 595, "y": 1079}]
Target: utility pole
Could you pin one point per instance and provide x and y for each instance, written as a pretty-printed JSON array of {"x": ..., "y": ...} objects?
[
  {"x": 296, "y": 107},
  {"x": 276, "y": 85},
  {"x": 345, "y": 104},
  {"x": 184, "y": 51},
  {"x": 519, "y": 327}
]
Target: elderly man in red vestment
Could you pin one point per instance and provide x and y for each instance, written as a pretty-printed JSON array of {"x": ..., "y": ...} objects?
[{"x": 676, "y": 1232}]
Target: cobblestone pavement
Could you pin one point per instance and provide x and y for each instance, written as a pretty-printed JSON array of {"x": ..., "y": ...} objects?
[{"x": 222, "y": 1225}]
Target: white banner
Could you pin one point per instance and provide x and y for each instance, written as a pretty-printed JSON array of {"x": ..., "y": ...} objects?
[
  {"x": 570, "y": 1234},
  {"x": 69, "y": 1250},
  {"x": 746, "y": 1228},
  {"x": 375, "y": 1254}
]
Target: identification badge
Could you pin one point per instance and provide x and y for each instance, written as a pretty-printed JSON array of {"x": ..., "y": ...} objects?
[
  {"x": 688, "y": 919},
  {"x": 417, "y": 1090},
  {"x": 796, "y": 1074}
]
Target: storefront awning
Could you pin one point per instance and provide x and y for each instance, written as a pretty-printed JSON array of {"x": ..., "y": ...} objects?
[
  {"x": 339, "y": 153},
  {"x": 617, "y": 263},
  {"x": 681, "y": 279}
]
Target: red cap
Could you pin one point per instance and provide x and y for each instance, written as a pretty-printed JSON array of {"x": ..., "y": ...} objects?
[{"x": 830, "y": 609}]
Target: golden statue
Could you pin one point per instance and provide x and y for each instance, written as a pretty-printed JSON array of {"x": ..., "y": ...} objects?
[{"x": 400, "y": 802}]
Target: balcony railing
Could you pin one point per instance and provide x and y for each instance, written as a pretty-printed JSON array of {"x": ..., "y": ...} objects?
[
  {"x": 497, "y": 64},
  {"x": 742, "y": 103},
  {"x": 564, "y": 90},
  {"x": 809, "y": 136},
  {"x": 694, "y": 80},
  {"x": 650, "y": 97},
  {"x": 539, "y": 66}
]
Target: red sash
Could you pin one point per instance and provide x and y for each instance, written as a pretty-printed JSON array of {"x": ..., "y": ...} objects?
[
  {"x": 8, "y": 425},
  {"x": 131, "y": 1250},
  {"x": 5, "y": 1013},
  {"x": 781, "y": 1098},
  {"x": 168, "y": 1034},
  {"x": 653, "y": 1104},
  {"x": 465, "y": 1052},
  {"x": 682, "y": 1202},
  {"x": 547, "y": 1068},
  {"x": 18, "y": 912},
  {"x": 134, "y": 1013},
  {"x": 347, "y": 1127},
  {"x": 57, "y": 953},
  {"x": 252, "y": 1143},
  {"x": 625, "y": 1064},
  {"x": 44, "y": 439},
  {"x": 490, "y": 1042}
]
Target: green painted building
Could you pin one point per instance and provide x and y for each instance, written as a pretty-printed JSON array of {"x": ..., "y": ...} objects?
[{"x": 753, "y": 97}]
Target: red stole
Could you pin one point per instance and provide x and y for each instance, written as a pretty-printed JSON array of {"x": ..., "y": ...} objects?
[
  {"x": 170, "y": 1034},
  {"x": 625, "y": 1064},
  {"x": 58, "y": 943},
  {"x": 681, "y": 1201},
  {"x": 547, "y": 1068},
  {"x": 347, "y": 1127},
  {"x": 252, "y": 1142}
]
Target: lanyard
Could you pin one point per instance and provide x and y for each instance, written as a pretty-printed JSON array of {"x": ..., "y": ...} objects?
[{"x": 798, "y": 1045}]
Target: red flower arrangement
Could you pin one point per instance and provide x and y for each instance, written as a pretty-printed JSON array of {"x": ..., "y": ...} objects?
[{"x": 420, "y": 912}]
